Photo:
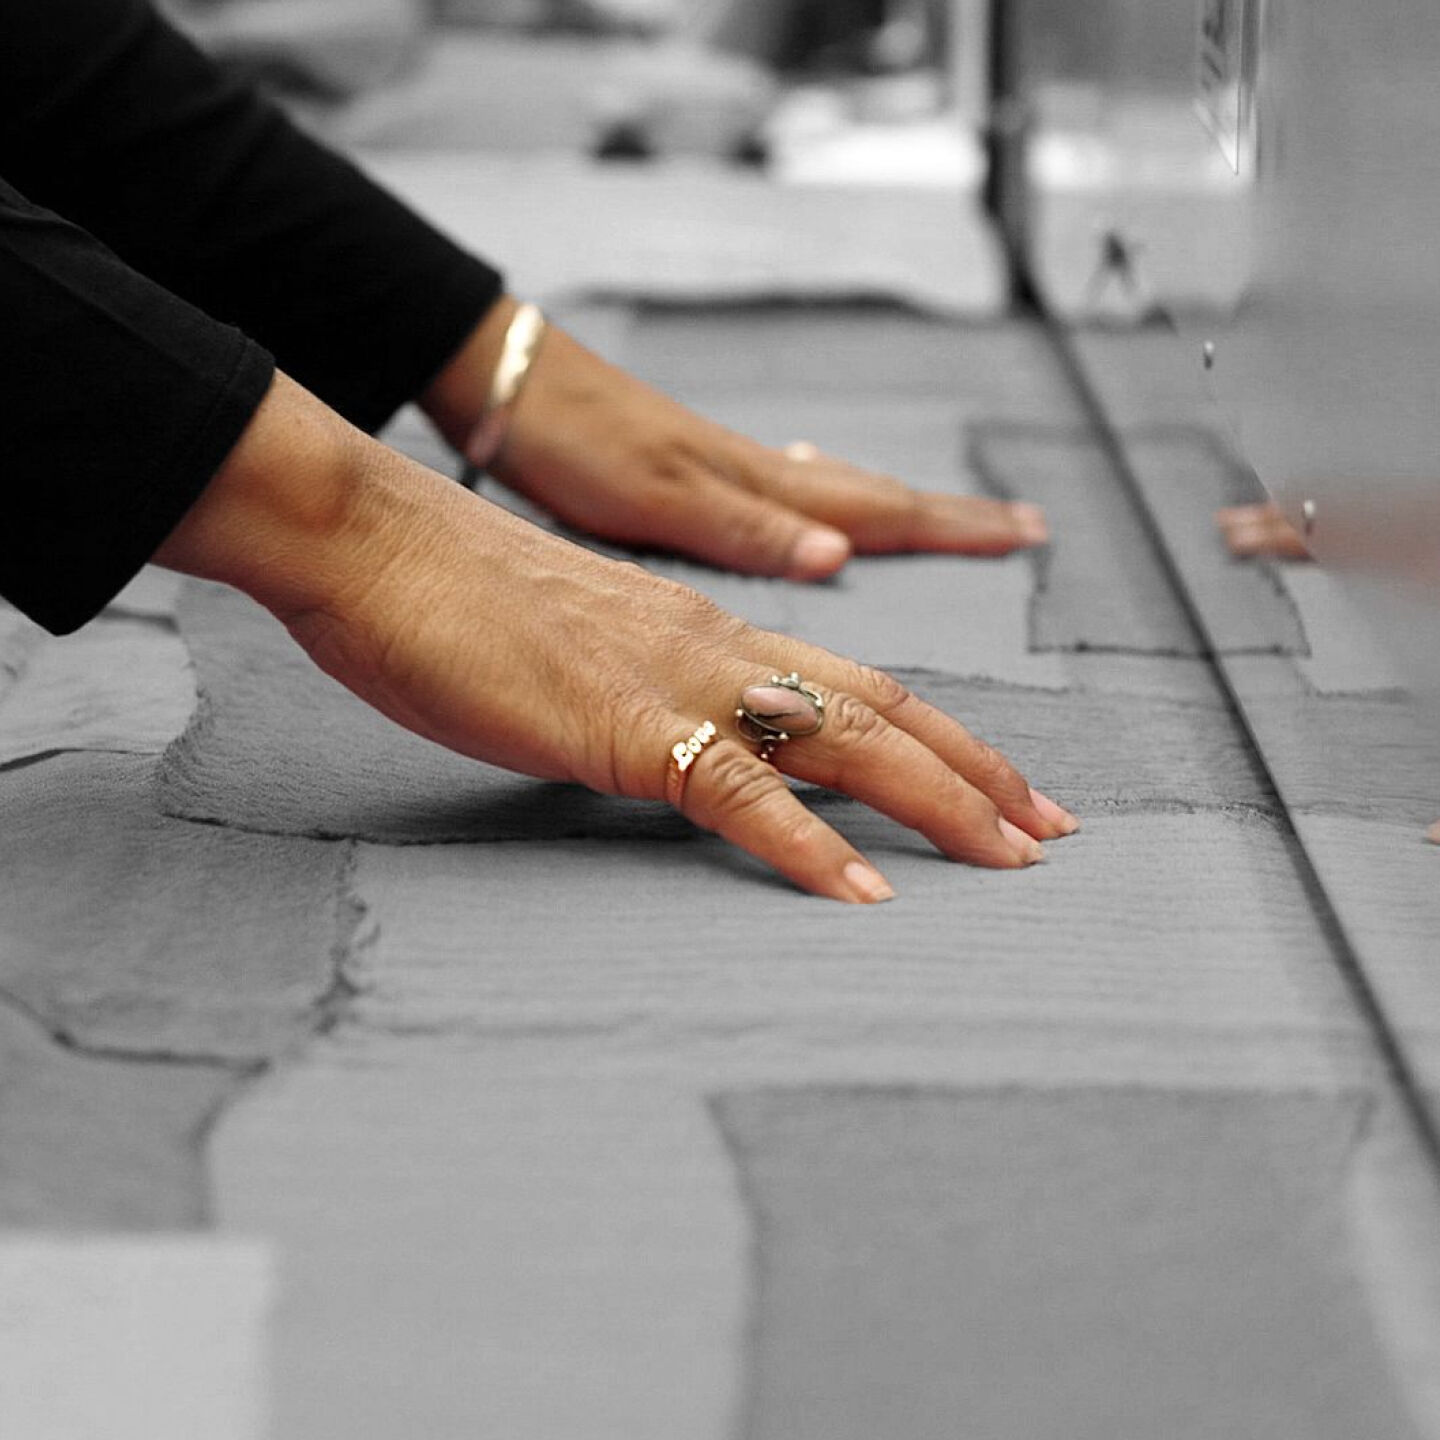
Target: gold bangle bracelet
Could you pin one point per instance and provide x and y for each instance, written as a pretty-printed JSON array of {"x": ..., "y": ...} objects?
[{"x": 522, "y": 340}]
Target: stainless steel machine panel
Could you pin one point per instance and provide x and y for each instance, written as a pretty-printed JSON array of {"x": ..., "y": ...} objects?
[
  {"x": 1271, "y": 170},
  {"x": 1331, "y": 366}
]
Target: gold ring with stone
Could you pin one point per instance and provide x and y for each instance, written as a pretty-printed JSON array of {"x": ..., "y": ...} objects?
[
  {"x": 768, "y": 715},
  {"x": 682, "y": 757}
]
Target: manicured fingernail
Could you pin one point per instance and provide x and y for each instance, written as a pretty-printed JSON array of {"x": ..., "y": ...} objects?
[
  {"x": 1030, "y": 522},
  {"x": 1027, "y": 848},
  {"x": 866, "y": 883},
  {"x": 818, "y": 553},
  {"x": 1433, "y": 833},
  {"x": 1055, "y": 814}
]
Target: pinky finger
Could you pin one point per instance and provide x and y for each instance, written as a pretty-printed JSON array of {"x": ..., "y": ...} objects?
[{"x": 743, "y": 800}]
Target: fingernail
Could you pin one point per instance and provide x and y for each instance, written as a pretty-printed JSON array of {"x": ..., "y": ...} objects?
[
  {"x": 1433, "y": 833},
  {"x": 1055, "y": 814},
  {"x": 1030, "y": 522},
  {"x": 866, "y": 883},
  {"x": 1027, "y": 848},
  {"x": 818, "y": 553}
]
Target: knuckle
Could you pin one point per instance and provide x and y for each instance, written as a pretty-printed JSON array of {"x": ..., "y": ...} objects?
[
  {"x": 854, "y": 719},
  {"x": 738, "y": 784},
  {"x": 996, "y": 774},
  {"x": 752, "y": 530},
  {"x": 715, "y": 625},
  {"x": 886, "y": 692},
  {"x": 616, "y": 764},
  {"x": 802, "y": 838}
]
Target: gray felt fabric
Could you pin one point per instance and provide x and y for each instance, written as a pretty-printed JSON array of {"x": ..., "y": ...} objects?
[
  {"x": 849, "y": 352},
  {"x": 91, "y": 1143},
  {"x": 1100, "y": 583},
  {"x": 1186, "y": 474},
  {"x": 131, "y": 932},
  {"x": 1372, "y": 756},
  {"x": 1082, "y": 1265},
  {"x": 19, "y": 637},
  {"x": 1151, "y": 948},
  {"x": 119, "y": 685}
]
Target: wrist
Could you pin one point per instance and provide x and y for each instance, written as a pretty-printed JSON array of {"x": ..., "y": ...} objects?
[
  {"x": 455, "y": 399},
  {"x": 296, "y": 515}
]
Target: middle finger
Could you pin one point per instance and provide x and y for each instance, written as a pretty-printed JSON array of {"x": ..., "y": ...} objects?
[
  {"x": 981, "y": 765},
  {"x": 857, "y": 751}
]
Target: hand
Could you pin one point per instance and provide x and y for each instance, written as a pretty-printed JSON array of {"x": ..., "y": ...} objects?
[
  {"x": 1260, "y": 530},
  {"x": 484, "y": 633},
  {"x": 609, "y": 455}
]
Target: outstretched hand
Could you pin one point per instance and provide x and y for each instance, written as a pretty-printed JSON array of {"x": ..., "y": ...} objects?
[
  {"x": 608, "y": 454},
  {"x": 470, "y": 626}
]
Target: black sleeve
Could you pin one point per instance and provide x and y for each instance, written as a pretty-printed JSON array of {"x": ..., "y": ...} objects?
[
  {"x": 111, "y": 118},
  {"x": 119, "y": 402}
]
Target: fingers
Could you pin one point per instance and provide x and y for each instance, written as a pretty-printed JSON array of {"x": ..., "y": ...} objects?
[
  {"x": 862, "y": 754},
  {"x": 882, "y": 515},
  {"x": 727, "y": 788},
  {"x": 737, "y": 795},
  {"x": 981, "y": 765},
  {"x": 1260, "y": 530},
  {"x": 736, "y": 529}
]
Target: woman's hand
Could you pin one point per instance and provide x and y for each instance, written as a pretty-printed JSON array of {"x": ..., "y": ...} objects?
[
  {"x": 1260, "y": 530},
  {"x": 484, "y": 633},
  {"x": 609, "y": 455}
]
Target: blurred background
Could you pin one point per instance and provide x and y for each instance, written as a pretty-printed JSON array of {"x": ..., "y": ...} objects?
[{"x": 730, "y": 79}]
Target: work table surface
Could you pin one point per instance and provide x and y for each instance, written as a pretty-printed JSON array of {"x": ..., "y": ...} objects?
[{"x": 442, "y": 1103}]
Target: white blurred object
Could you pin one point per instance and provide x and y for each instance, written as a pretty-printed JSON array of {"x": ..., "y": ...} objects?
[
  {"x": 629, "y": 16},
  {"x": 344, "y": 46},
  {"x": 638, "y": 14},
  {"x": 686, "y": 230},
  {"x": 680, "y": 98},
  {"x": 814, "y": 137}
]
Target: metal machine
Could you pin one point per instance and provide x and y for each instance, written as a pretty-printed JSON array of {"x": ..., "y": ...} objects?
[{"x": 1266, "y": 173}]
